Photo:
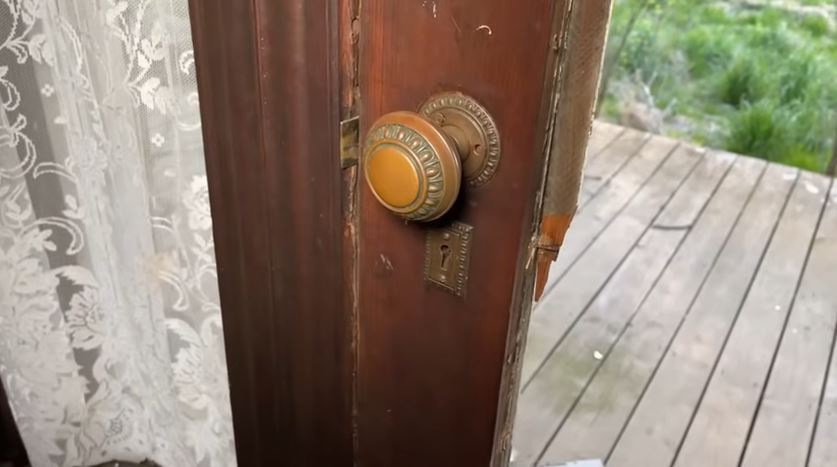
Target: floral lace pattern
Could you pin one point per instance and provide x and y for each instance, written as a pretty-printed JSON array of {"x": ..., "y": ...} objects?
[{"x": 111, "y": 344}]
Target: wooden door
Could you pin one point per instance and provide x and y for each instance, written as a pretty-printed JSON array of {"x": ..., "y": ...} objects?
[
  {"x": 433, "y": 367},
  {"x": 340, "y": 349}
]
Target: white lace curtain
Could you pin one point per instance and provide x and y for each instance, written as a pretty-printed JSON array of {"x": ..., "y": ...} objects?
[{"x": 111, "y": 345}]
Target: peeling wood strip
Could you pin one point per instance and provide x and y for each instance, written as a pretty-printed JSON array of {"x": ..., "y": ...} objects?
[
  {"x": 349, "y": 40},
  {"x": 563, "y": 20},
  {"x": 522, "y": 303},
  {"x": 578, "y": 88}
]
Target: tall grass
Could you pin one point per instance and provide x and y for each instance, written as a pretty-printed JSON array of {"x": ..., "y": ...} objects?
[
  {"x": 761, "y": 131},
  {"x": 742, "y": 83},
  {"x": 757, "y": 81}
]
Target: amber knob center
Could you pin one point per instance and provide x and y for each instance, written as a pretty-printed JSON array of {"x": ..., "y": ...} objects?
[
  {"x": 412, "y": 166},
  {"x": 395, "y": 176}
]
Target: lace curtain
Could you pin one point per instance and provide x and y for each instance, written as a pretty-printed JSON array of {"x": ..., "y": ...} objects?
[{"x": 110, "y": 331}]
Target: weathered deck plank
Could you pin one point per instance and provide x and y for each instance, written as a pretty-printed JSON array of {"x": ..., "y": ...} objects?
[
  {"x": 592, "y": 218},
  {"x": 649, "y": 439},
  {"x": 820, "y": 293},
  {"x": 563, "y": 304},
  {"x": 602, "y": 135},
  {"x": 788, "y": 409},
  {"x": 720, "y": 427},
  {"x": 599, "y": 170},
  {"x": 596, "y": 421},
  {"x": 691, "y": 317},
  {"x": 546, "y": 401}
]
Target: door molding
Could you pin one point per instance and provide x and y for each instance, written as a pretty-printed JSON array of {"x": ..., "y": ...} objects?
[{"x": 269, "y": 78}]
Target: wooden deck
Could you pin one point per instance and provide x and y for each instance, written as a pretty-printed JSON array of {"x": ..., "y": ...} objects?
[{"x": 690, "y": 319}]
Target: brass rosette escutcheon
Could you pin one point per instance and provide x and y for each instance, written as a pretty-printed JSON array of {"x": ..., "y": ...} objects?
[{"x": 474, "y": 130}]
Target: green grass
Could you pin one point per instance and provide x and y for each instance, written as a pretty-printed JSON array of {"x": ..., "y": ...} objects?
[
  {"x": 761, "y": 131},
  {"x": 745, "y": 81},
  {"x": 817, "y": 26},
  {"x": 757, "y": 81}
]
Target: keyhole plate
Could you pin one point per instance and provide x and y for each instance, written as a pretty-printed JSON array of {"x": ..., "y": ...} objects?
[{"x": 447, "y": 257}]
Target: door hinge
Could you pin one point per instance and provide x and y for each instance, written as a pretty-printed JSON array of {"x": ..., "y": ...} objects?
[{"x": 349, "y": 142}]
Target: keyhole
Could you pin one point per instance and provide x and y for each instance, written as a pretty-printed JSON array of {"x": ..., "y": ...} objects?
[{"x": 445, "y": 251}]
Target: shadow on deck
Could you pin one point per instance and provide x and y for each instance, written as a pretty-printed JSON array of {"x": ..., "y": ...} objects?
[{"x": 690, "y": 318}]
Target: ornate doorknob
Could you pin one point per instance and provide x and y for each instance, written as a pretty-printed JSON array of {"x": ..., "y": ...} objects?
[{"x": 414, "y": 162}]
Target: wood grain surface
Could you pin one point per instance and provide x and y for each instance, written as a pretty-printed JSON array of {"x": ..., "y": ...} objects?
[
  {"x": 268, "y": 77},
  {"x": 431, "y": 365}
]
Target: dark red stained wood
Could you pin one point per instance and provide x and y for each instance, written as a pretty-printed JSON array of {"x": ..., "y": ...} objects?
[
  {"x": 431, "y": 364},
  {"x": 268, "y": 77}
]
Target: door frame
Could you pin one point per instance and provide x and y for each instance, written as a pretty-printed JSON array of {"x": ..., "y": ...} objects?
[
  {"x": 278, "y": 78},
  {"x": 271, "y": 85}
]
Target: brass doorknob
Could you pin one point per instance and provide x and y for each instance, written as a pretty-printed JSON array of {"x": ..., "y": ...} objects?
[{"x": 414, "y": 162}]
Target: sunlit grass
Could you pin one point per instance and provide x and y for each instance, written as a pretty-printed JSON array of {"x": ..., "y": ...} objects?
[{"x": 759, "y": 81}]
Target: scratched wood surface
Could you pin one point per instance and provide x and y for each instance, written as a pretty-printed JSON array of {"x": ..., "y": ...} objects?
[{"x": 690, "y": 319}]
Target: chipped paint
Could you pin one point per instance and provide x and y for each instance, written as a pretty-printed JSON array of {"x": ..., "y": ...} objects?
[
  {"x": 386, "y": 263},
  {"x": 486, "y": 28},
  {"x": 433, "y": 8}
]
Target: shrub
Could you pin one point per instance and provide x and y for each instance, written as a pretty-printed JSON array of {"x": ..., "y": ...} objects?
[
  {"x": 743, "y": 82},
  {"x": 816, "y": 25},
  {"x": 708, "y": 49},
  {"x": 759, "y": 130},
  {"x": 804, "y": 160},
  {"x": 798, "y": 78},
  {"x": 644, "y": 53},
  {"x": 775, "y": 133},
  {"x": 777, "y": 39}
]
